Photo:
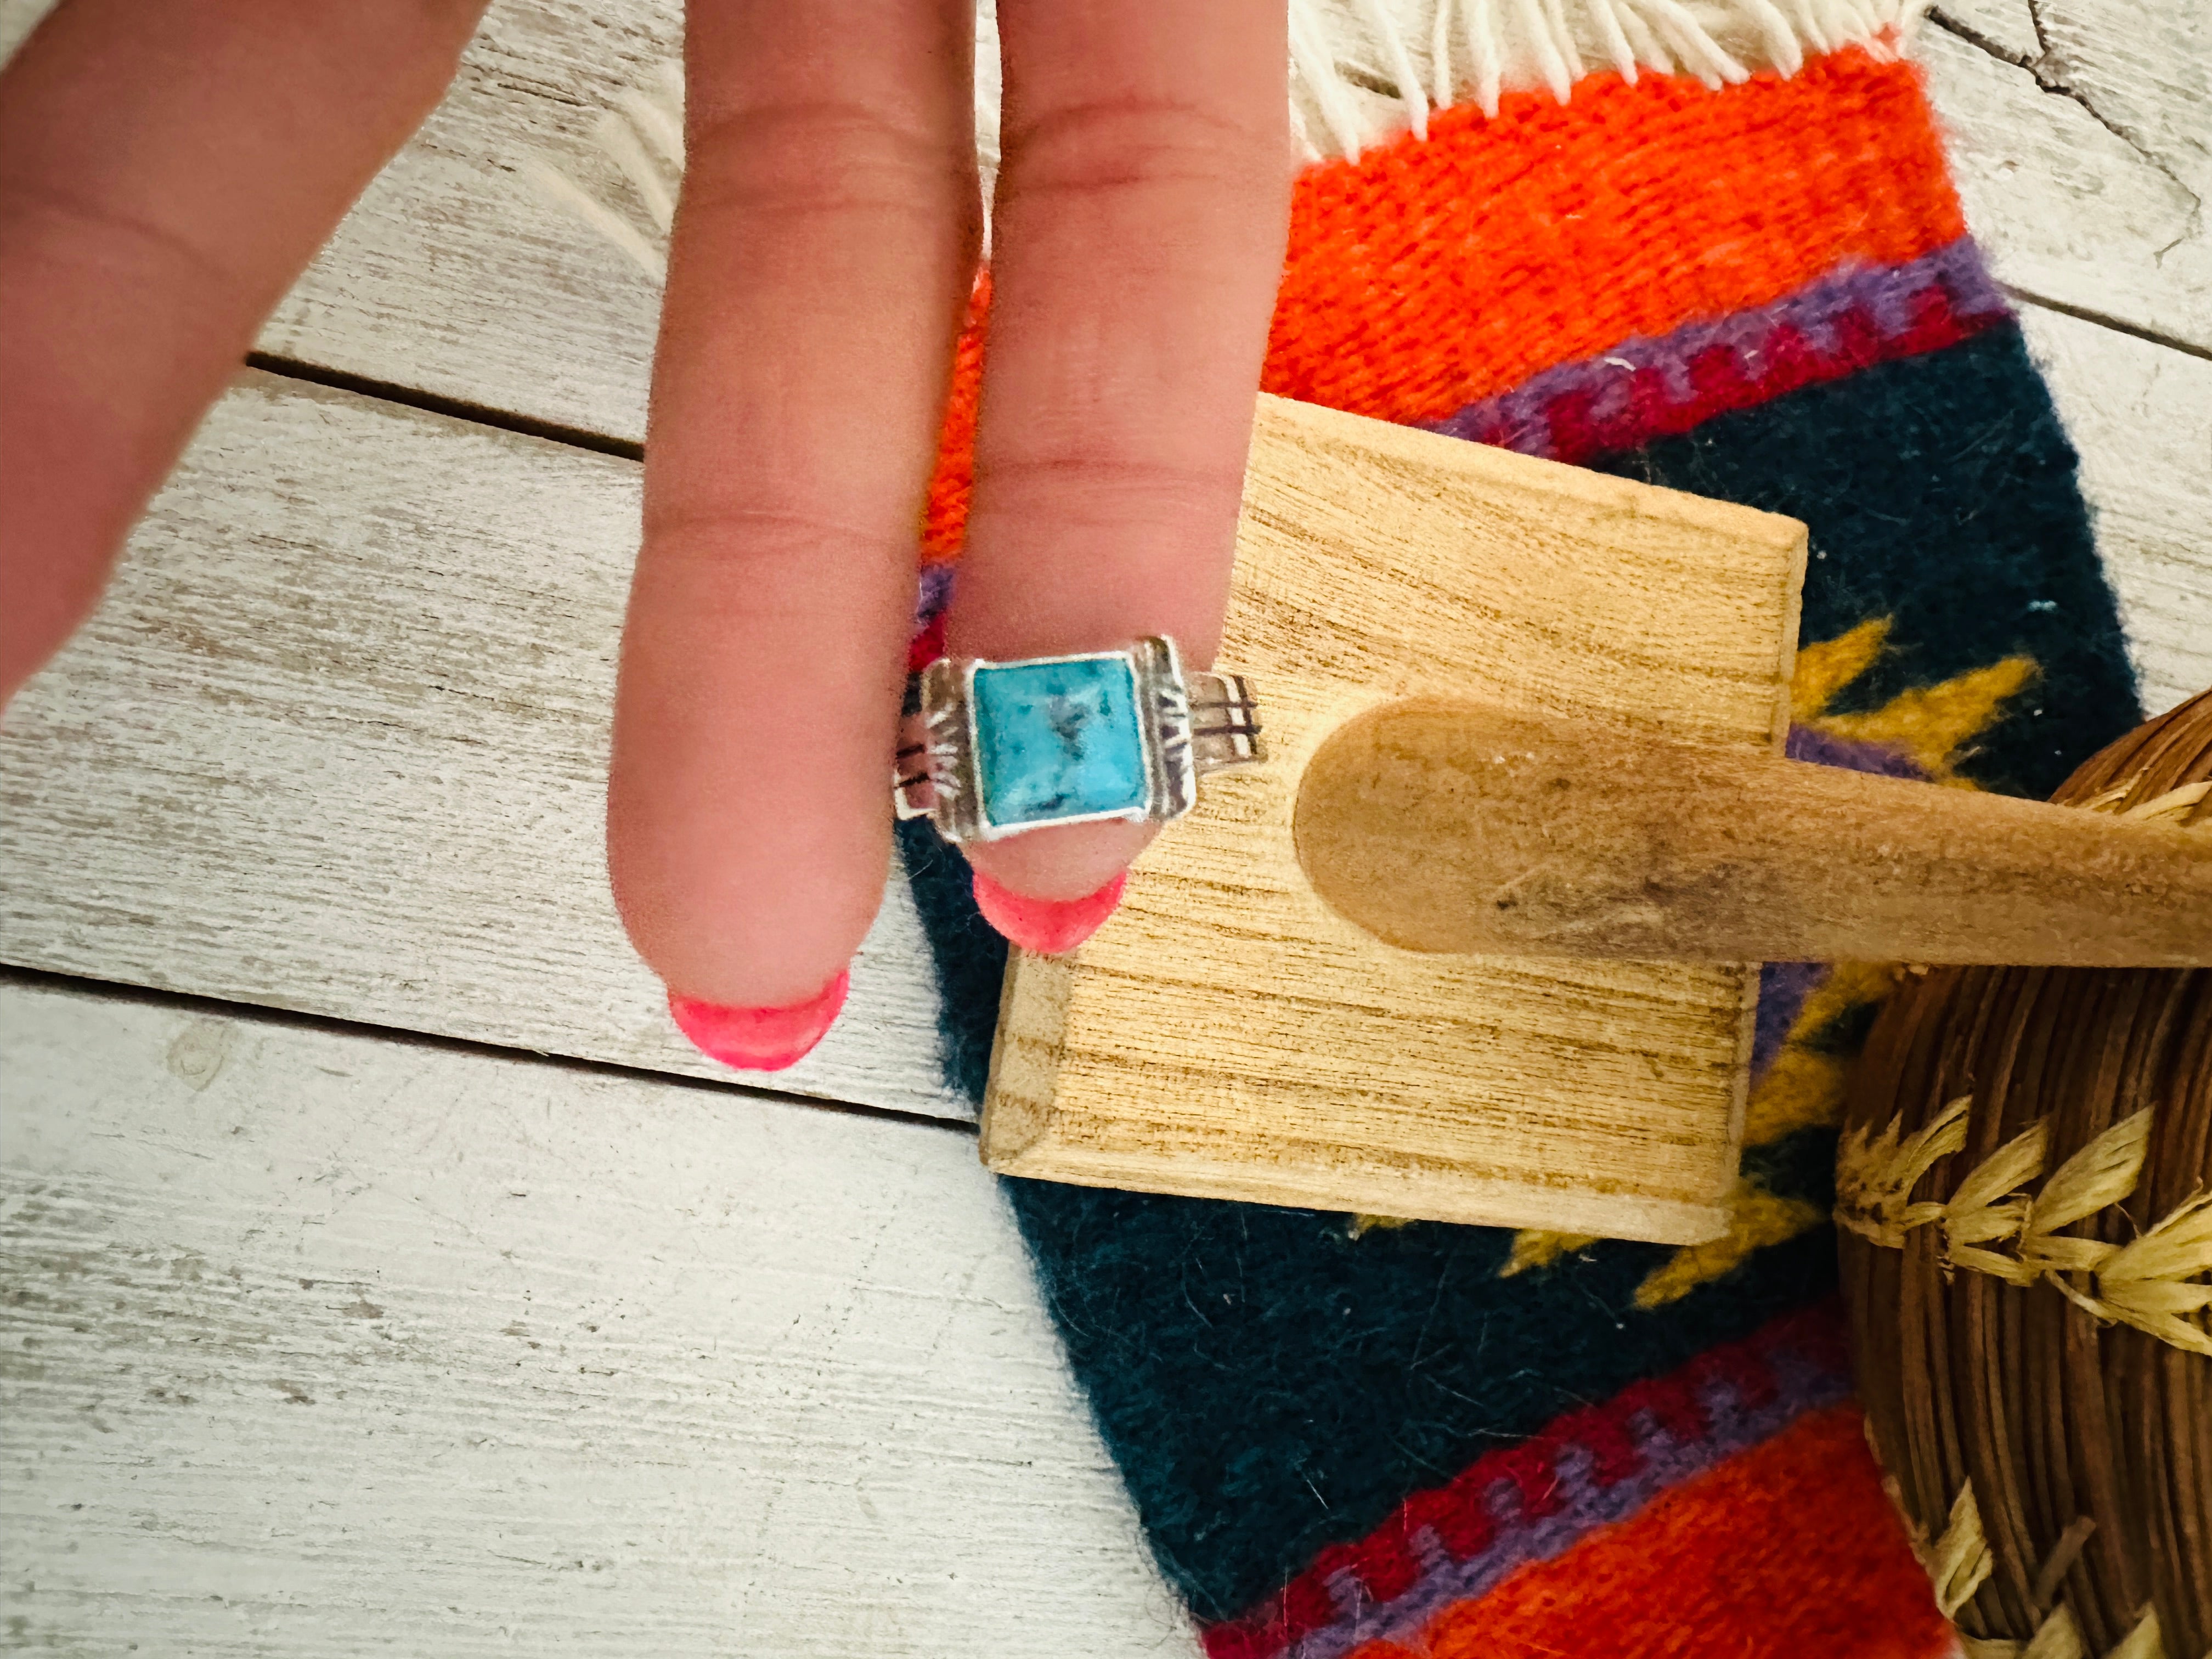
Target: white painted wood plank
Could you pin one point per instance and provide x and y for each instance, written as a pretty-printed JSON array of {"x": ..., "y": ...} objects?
[
  {"x": 455, "y": 277},
  {"x": 335, "y": 742},
  {"x": 324, "y": 1344},
  {"x": 17, "y": 18},
  {"x": 2142, "y": 416},
  {"x": 452, "y": 276},
  {"x": 163, "y": 738},
  {"x": 2145, "y": 68},
  {"x": 2091, "y": 193}
]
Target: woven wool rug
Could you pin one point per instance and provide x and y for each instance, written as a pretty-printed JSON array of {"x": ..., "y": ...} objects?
[{"x": 1721, "y": 253}]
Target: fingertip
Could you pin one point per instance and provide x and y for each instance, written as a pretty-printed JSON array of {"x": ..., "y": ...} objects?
[
  {"x": 761, "y": 1039},
  {"x": 1047, "y": 926}
]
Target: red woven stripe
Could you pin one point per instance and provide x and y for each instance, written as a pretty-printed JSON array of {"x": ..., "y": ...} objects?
[
  {"x": 1386, "y": 1563},
  {"x": 1457, "y": 1514},
  {"x": 1533, "y": 1467},
  {"x": 1720, "y": 382},
  {"x": 1788, "y": 1548},
  {"x": 1673, "y": 1402},
  {"x": 1604, "y": 1434},
  {"x": 1304, "y": 1606}
]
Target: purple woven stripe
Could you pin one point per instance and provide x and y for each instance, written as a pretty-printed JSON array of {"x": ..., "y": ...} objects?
[
  {"x": 1805, "y": 744},
  {"x": 1804, "y": 1384},
  {"x": 934, "y": 593},
  {"x": 1783, "y": 988},
  {"x": 1520, "y": 419}
]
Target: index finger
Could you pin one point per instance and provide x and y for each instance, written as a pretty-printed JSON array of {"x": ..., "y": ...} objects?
[{"x": 821, "y": 261}]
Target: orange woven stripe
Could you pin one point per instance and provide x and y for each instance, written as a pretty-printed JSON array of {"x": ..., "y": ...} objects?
[
  {"x": 1427, "y": 275},
  {"x": 1786, "y": 1551},
  {"x": 1430, "y": 273},
  {"x": 945, "y": 520}
]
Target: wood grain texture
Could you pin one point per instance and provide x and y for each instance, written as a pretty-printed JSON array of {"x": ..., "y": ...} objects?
[
  {"x": 324, "y": 1528},
  {"x": 2085, "y": 162},
  {"x": 326, "y": 1344},
  {"x": 335, "y": 742},
  {"x": 1458, "y": 826},
  {"x": 1226, "y": 1033},
  {"x": 2007, "y": 27},
  {"x": 454, "y": 277},
  {"x": 2142, "y": 416}
]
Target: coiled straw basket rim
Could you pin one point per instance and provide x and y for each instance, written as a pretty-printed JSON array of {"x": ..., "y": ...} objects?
[{"x": 2025, "y": 1215}]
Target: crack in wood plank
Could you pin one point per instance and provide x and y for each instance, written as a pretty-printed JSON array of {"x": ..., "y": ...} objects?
[{"x": 2050, "y": 69}]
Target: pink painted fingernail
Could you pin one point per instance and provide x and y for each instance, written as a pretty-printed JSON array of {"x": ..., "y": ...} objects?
[
  {"x": 1048, "y": 927},
  {"x": 761, "y": 1039}
]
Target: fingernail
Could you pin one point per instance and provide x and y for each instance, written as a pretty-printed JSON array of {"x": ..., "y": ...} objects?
[
  {"x": 761, "y": 1039},
  {"x": 1049, "y": 928}
]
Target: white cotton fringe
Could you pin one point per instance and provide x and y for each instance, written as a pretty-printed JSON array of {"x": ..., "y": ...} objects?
[{"x": 1361, "y": 72}]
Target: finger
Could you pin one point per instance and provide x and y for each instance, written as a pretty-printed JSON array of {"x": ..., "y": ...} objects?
[
  {"x": 1142, "y": 203},
  {"x": 821, "y": 258},
  {"x": 165, "y": 173}
]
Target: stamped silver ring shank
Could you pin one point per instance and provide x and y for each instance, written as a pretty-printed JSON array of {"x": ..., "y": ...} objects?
[{"x": 1224, "y": 722}]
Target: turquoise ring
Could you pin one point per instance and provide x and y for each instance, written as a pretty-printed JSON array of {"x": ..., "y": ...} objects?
[{"x": 992, "y": 748}]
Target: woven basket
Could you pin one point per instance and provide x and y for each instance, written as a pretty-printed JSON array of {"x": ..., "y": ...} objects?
[{"x": 2025, "y": 1204}]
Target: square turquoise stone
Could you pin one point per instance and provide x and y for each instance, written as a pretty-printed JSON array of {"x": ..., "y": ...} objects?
[{"x": 1057, "y": 740}]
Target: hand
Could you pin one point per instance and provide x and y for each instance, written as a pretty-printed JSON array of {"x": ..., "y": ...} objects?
[
  {"x": 167, "y": 171},
  {"x": 822, "y": 262}
]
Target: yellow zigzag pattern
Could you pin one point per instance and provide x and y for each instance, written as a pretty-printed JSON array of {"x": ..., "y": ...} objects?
[
  {"x": 1757, "y": 1219},
  {"x": 1824, "y": 669},
  {"x": 1803, "y": 1086},
  {"x": 1933, "y": 724},
  {"x": 1535, "y": 1248}
]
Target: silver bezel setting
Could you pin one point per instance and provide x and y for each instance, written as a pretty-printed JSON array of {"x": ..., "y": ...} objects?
[{"x": 938, "y": 774}]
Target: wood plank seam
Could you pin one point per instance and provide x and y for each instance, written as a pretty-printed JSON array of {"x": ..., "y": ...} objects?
[
  {"x": 302, "y": 756},
  {"x": 431, "y": 402},
  {"x": 120, "y": 992}
]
